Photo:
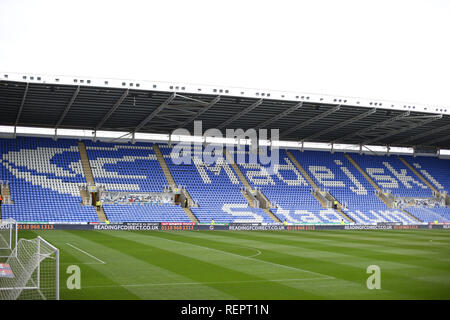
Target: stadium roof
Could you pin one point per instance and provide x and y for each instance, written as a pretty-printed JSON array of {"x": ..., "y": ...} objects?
[{"x": 155, "y": 107}]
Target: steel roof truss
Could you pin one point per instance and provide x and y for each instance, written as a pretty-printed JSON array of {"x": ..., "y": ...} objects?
[
  {"x": 155, "y": 112},
  {"x": 340, "y": 125},
  {"x": 22, "y": 103},
  {"x": 279, "y": 116},
  {"x": 310, "y": 121},
  {"x": 410, "y": 123},
  {"x": 240, "y": 114},
  {"x": 112, "y": 110},
  {"x": 372, "y": 128},
  {"x": 69, "y": 105}
]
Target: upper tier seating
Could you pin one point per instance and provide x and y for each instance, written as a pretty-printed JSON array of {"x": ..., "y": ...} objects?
[
  {"x": 216, "y": 187},
  {"x": 125, "y": 167},
  {"x": 44, "y": 176},
  {"x": 131, "y": 167},
  {"x": 335, "y": 173},
  {"x": 392, "y": 174},
  {"x": 286, "y": 187},
  {"x": 435, "y": 170}
]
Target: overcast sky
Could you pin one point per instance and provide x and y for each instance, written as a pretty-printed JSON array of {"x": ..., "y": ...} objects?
[{"x": 390, "y": 50}]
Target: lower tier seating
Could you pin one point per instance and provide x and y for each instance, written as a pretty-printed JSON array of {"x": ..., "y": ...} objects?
[{"x": 430, "y": 214}]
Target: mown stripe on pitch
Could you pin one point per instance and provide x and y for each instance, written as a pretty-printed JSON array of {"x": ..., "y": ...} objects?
[
  {"x": 396, "y": 281},
  {"x": 90, "y": 275},
  {"x": 427, "y": 250},
  {"x": 355, "y": 248},
  {"x": 420, "y": 261},
  {"x": 375, "y": 237},
  {"x": 201, "y": 271},
  {"x": 340, "y": 285},
  {"x": 222, "y": 248},
  {"x": 417, "y": 236},
  {"x": 329, "y": 255},
  {"x": 130, "y": 271},
  {"x": 355, "y": 277},
  {"x": 126, "y": 271},
  {"x": 399, "y": 275}
]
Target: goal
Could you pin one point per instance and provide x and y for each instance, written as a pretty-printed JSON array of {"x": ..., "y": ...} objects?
[
  {"x": 8, "y": 237},
  {"x": 35, "y": 272}
]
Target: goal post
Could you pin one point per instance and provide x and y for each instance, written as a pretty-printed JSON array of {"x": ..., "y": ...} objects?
[
  {"x": 8, "y": 237},
  {"x": 34, "y": 268}
]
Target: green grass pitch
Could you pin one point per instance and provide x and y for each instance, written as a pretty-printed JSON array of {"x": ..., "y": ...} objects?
[{"x": 415, "y": 264}]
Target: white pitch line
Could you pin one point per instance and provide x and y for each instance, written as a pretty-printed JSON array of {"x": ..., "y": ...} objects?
[
  {"x": 86, "y": 253},
  {"x": 256, "y": 254},
  {"x": 76, "y": 263},
  {"x": 202, "y": 283}
]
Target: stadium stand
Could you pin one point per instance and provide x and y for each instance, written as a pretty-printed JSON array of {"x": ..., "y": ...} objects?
[
  {"x": 430, "y": 214},
  {"x": 392, "y": 175},
  {"x": 214, "y": 186},
  {"x": 44, "y": 178},
  {"x": 432, "y": 168},
  {"x": 287, "y": 188},
  {"x": 111, "y": 166},
  {"x": 127, "y": 167},
  {"x": 335, "y": 173}
]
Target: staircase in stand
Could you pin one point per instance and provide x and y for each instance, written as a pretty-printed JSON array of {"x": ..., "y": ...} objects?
[
  {"x": 369, "y": 179},
  {"x": 5, "y": 191},
  {"x": 308, "y": 178},
  {"x": 86, "y": 164},
  {"x": 321, "y": 198},
  {"x": 271, "y": 215},
  {"x": 421, "y": 177},
  {"x": 246, "y": 184},
  {"x": 89, "y": 178},
  {"x": 6, "y": 194},
  {"x": 163, "y": 165},
  {"x": 171, "y": 182},
  {"x": 380, "y": 192}
]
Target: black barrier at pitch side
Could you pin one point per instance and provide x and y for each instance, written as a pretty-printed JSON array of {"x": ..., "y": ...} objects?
[{"x": 154, "y": 226}]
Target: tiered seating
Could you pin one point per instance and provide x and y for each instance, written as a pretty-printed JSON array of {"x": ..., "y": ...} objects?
[
  {"x": 125, "y": 167},
  {"x": 287, "y": 188},
  {"x": 442, "y": 211},
  {"x": 131, "y": 167},
  {"x": 430, "y": 214},
  {"x": 391, "y": 174},
  {"x": 44, "y": 176},
  {"x": 435, "y": 170},
  {"x": 335, "y": 173},
  {"x": 215, "y": 187}
]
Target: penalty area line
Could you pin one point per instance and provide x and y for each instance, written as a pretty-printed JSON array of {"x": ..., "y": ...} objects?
[{"x": 86, "y": 253}]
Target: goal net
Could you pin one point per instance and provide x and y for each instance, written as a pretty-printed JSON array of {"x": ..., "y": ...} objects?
[
  {"x": 33, "y": 272},
  {"x": 8, "y": 237}
]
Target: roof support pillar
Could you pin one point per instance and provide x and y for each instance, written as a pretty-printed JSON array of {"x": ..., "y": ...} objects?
[{"x": 19, "y": 112}]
